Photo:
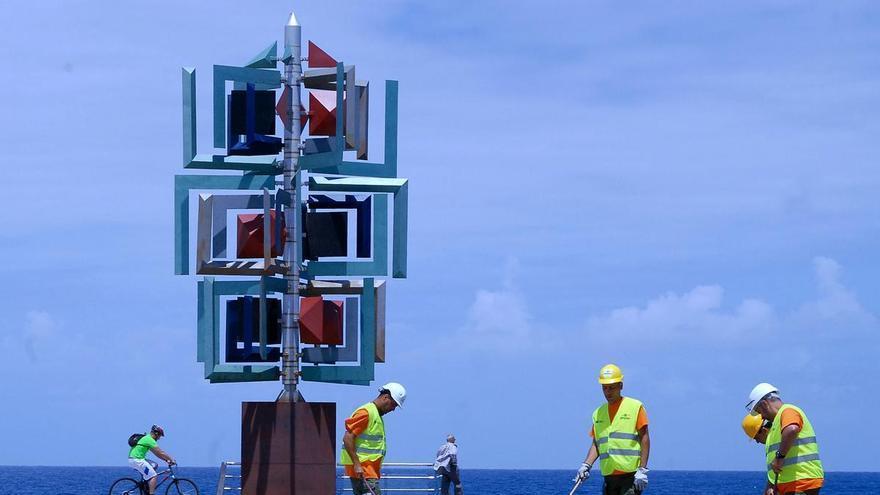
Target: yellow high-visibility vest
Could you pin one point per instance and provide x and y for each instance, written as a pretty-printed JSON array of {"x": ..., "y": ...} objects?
[
  {"x": 370, "y": 444},
  {"x": 802, "y": 459},
  {"x": 618, "y": 440}
]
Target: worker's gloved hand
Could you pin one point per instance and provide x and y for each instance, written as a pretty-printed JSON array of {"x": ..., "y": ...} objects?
[
  {"x": 641, "y": 479},
  {"x": 583, "y": 472}
]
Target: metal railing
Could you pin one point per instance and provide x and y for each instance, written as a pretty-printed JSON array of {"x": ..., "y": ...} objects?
[
  {"x": 395, "y": 477},
  {"x": 396, "y": 474},
  {"x": 222, "y": 489}
]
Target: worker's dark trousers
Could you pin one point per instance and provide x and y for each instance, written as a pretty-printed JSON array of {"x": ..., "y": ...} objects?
[
  {"x": 449, "y": 476},
  {"x": 620, "y": 484},
  {"x": 369, "y": 486},
  {"x": 808, "y": 492}
]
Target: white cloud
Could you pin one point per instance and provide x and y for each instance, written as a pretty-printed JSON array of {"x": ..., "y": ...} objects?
[
  {"x": 696, "y": 313},
  {"x": 835, "y": 300},
  {"x": 500, "y": 313},
  {"x": 701, "y": 313},
  {"x": 500, "y": 319},
  {"x": 39, "y": 328}
]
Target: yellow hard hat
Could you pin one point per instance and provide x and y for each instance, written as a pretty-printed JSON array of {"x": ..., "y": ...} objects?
[
  {"x": 752, "y": 424},
  {"x": 610, "y": 374}
]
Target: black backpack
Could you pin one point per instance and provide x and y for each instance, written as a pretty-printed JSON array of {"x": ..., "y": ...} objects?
[{"x": 135, "y": 438}]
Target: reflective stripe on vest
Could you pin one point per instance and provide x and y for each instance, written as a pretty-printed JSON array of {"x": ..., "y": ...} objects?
[
  {"x": 800, "y": 441},
  {"x": 802, "y": 459},
  {"x": 618, "y": 441},
  {"x": 370, "y": 444}
]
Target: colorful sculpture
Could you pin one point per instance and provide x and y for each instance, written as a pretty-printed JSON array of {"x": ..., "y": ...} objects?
[{"x": 251, "y": 223}]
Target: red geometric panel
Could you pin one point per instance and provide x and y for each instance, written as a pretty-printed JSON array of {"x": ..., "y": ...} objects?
[
  {"x": 250, "y": 235},
  {"x": 333, "y": 322},
  {"x": 322, "y": 113},
  {"x": 311, "y": 319},
  {"x": 281, "y": 109},
  {"x": 320, "y": 321},
  {"x": 319, "y": 58}
]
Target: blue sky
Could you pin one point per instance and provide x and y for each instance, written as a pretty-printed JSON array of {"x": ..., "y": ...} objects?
[{"x": 682, "y": 188}]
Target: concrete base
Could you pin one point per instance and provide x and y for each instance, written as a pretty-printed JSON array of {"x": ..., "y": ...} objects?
[{"x": 288, "y": 448}]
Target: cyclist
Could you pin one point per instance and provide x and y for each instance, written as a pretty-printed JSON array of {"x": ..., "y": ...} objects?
[{"x": 137, "y": 456}]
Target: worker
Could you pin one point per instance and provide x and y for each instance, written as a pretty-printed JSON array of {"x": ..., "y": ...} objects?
[
  {"x": 793, "y": 464},
  {"x": 756, "y": 427},
  {"x": 363, "y": 444},
  {"x": 620, "y": 439}
]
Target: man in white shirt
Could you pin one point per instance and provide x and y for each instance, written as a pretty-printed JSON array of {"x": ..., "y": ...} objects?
[{"x": 446, "y": 465}]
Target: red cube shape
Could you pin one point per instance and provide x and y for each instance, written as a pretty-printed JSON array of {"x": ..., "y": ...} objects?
[
  {"x": 250, "y": 235},
  {"x": 320, "y": 321}
]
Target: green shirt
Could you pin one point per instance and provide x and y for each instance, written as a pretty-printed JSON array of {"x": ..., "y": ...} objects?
[{"x": 143, "y": 446}]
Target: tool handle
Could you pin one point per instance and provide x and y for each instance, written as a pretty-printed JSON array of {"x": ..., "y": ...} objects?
[{"x": 577, "y": 484}]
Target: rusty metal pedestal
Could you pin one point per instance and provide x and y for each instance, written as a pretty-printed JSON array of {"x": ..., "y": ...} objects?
[{"x": 288, "y": 448}]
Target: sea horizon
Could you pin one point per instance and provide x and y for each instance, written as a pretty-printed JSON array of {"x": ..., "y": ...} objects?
[{"x": 87, "y": 480}]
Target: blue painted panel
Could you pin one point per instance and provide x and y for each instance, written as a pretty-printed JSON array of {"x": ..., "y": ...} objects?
[
  {"x": 209, "y": 331},
  {"x": 222, "y": 73},
  {"x": 192, "y": 160},
  {"x": 243, "y": 319}
]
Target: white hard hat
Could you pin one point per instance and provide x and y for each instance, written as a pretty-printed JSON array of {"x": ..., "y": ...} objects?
[
  {"x": 759, "y": 392},
  {"x": 398, "y": 393}
]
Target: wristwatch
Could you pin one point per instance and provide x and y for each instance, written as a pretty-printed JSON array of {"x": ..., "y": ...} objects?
[{"x": 779, "y": 454}]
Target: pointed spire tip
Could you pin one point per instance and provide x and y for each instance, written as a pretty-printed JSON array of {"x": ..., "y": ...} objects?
[{"x": 292, "y": 20}]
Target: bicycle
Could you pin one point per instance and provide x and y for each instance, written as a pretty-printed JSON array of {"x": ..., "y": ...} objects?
[{"x": 178, "y": 486}]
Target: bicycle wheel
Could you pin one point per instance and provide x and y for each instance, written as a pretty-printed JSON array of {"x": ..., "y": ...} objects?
[
  {"x": 125, "y": 486},
  {"x": 182, "y": 486}
]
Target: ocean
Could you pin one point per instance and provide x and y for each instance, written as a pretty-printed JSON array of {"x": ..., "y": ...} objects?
[{"x": 36, "y": 480}]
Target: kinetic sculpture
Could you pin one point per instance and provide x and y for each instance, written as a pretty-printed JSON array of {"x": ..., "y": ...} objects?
[{"x": 292, "y": 252}]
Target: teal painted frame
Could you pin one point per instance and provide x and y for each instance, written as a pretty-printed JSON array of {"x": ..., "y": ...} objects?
[
  {"x": 377, "y": 267},
  {"x": 208, "y": 333},
  {"x": 330, "y": 158},
  {"x": 263, "y": 78},
  {"x": 332, "y": 163},
  {"x": 192, "y": 160},
  {"x": 208, "y": 336},
  {"x": 182, "y": 186},
  {"x": 266, "y": 59},
  {"x": 400, "y": 189}
]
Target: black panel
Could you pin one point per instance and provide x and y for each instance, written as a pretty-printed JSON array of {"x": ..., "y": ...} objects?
[
  {"x": 326, "y": 235},
  {"x": 264, "y": 113}
]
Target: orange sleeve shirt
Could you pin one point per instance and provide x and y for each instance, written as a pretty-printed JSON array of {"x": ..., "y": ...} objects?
[
  {"x": 792, "y": 417},
  {"x": 356, "y": 425},
  {"x": 641, "y": 422}
]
